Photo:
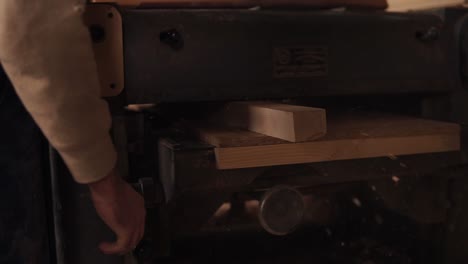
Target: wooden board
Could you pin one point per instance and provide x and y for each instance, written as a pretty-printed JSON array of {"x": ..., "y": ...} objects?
[
  {"x": 409, "y": 5},
  {"x": 348, "y": 137},
  {"x": 288, "y": 122}
]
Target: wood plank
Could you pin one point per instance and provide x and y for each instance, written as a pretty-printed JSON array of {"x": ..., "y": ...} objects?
[
  {"x": 348, "y": 137},
  {"x": 272, "y": 155},
  {"x": 411, "y": 5},
  {"x": 228, "y": 137},
  {"x": 288, "y": 122}
]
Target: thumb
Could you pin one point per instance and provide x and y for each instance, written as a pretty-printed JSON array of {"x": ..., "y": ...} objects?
[{"x": 112, "y": 248}]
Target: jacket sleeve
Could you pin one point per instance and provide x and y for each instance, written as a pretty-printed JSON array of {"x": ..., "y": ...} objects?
[{"x": 47, "y": 53}]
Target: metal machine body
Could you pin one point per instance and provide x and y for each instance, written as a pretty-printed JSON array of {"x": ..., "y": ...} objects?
[{"x": 203, "y": 55}]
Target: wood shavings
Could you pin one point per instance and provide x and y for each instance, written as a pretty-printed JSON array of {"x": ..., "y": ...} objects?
[{"x": 357, "y": 202}]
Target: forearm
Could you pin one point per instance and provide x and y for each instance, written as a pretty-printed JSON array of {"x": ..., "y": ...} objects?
[{"x": 46, "y": 51}]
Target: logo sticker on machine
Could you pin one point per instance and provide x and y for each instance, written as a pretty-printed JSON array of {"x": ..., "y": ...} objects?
[{"x": 297, "y": 62}]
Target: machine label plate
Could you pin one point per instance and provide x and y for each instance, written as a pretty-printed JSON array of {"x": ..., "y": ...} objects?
[{"x": 300, "y": 62}]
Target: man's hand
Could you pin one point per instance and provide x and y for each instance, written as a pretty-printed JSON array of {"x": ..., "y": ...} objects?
[{"x": 122, "y": 209}]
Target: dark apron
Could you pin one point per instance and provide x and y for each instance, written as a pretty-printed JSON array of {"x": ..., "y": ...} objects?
[{"x": 23, "y": 221}]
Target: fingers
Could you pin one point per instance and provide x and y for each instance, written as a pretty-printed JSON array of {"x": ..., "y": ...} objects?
[
  {"x": 123, "y": 244},
  {"x": 120, "y": 247},
  {"x": 126, "y": 242},
  {"x": 125, "y": 215},
  {"x": 139, "y": 232},
  {"x": 135, "y": 240}
]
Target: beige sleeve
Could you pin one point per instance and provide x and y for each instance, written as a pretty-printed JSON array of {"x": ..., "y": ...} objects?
[{"x": 46, "y": 51}]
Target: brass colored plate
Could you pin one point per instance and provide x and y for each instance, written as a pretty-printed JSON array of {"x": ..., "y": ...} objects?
[{"x": 105, "y": 24}]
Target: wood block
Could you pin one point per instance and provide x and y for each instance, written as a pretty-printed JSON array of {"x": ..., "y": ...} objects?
[
  {"x": 288, "y": 122},
  {"x": 350, "y": 137}
]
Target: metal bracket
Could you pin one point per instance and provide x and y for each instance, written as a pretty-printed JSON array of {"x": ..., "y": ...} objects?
[{"x": 105, "y": 25}]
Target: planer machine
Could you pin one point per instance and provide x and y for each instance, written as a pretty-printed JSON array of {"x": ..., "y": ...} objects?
[{"x": 383, "y": 182}]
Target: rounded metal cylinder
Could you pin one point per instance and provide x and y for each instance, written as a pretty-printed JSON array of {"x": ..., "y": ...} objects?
[{"x": 281, "y": 210}]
